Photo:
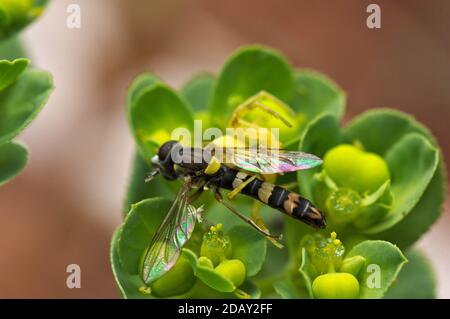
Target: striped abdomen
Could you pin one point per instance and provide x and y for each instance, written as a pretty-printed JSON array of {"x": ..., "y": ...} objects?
[{"x": 277, "y": 197}]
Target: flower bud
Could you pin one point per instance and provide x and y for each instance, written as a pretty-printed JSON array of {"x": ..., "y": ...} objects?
[
  {"x": 343, "y": 205},
  {"x": 176, "y": 281},
  {"x": 352, "y": 265},
  {"x": 233, "y": 270},
  {"x": 336, "y": 286},
  {"x": 205, "y": 262},
  {"x": 373, "y": 171},
  {"x": 351, "y": 167},
  {"x": 326, "y": 254},
  {"x": 340, "y": 163},
  {"x": 216, "y": 246}
]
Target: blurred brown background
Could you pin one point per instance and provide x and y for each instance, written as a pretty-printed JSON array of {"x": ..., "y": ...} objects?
[{"x": 64, "y": 207}]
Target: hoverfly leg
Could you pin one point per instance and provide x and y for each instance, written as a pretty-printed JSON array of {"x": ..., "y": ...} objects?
[
  {"x": 254, "y": 103},
  {"x": 219, "y": 198},
  {"x": 238, "y": 189},
  {"x": 273, "y": 113},
  {"x": 196, "y": 195},
  {"x": 256, "y": 206}
]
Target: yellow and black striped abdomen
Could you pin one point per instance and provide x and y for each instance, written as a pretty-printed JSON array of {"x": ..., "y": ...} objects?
[{"x": 275, "y": 196}]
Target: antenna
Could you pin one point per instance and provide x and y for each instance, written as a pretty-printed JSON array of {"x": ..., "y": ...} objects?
[{"x": 152, "y": 175}]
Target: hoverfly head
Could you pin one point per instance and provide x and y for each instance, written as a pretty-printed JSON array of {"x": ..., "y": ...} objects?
[{"x": 163, "y": 162}]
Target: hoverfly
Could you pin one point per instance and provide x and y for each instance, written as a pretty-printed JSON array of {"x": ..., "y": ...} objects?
[
  {"x": 242, "y": 172},
  {"x": 199, "y": 169}
]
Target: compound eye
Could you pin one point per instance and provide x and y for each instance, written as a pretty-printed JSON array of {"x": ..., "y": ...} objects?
[{"x": 165, "y": 150}]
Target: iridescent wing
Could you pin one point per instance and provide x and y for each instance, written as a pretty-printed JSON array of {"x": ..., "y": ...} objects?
[
  {"x": 172, "y": 234},
  {"x": 270, "y": 161}
]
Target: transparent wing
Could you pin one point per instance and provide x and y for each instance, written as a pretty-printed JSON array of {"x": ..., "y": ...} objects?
[
  {"x": 172, "y": 234},
  {"x": 270, "y": 161}
]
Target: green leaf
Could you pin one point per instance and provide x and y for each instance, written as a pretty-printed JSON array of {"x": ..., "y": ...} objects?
[
  {"x": 138, "y": 229},
  {"x": 305, "y": 271},
  {"x": 424, "y": 214},
  {"x": 198, "y": 91},
  {"x": 11, "y": 49},
  {"x": 416, "y": 280},
  {"x": 315, "y": 94},
  {"x": 154, "y": 111},
  {"x": 379, "y": 129},
  {"x": 293, "y": 232},
  {"x": 17, "y": 14},
  {"x": 251, "y": 289},
  {"x": 22, "y": 101},
  {"x": 249, "y": 247},
  {"x": 128, "y": 284},
  {"x": 143, "y": 82},
  {"x": 250, "y": 70},
  {"x": 203, "y": 291},
  {"x": 287, "y": 289},
  {"x": 138, "y": 189},
  {"x": 13, "y": 159},
  {"x": 412, "y": 162},
  {"x": 370, "y": 129},
  {"x": 321, "y": 134},
  {"x": 208, "y": 275},
  {"x": 213, "y": 279},
  {"x": 10, "y": 70},
  {"x": 387, "y": 257}
]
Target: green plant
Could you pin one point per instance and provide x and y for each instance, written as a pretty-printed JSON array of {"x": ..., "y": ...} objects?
[
  {"x": 329, "y": 272},
  {"x": 381, "y": 187},
  {"x": 23, "y": 90},
  {"x": 17, "y": 14}
]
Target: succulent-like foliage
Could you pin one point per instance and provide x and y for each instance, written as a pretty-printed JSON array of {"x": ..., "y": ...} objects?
[
  {"x": 23, "y": 89},
  {"x": 381, "y": 187},
  {"x": 17, "y": 14}
]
